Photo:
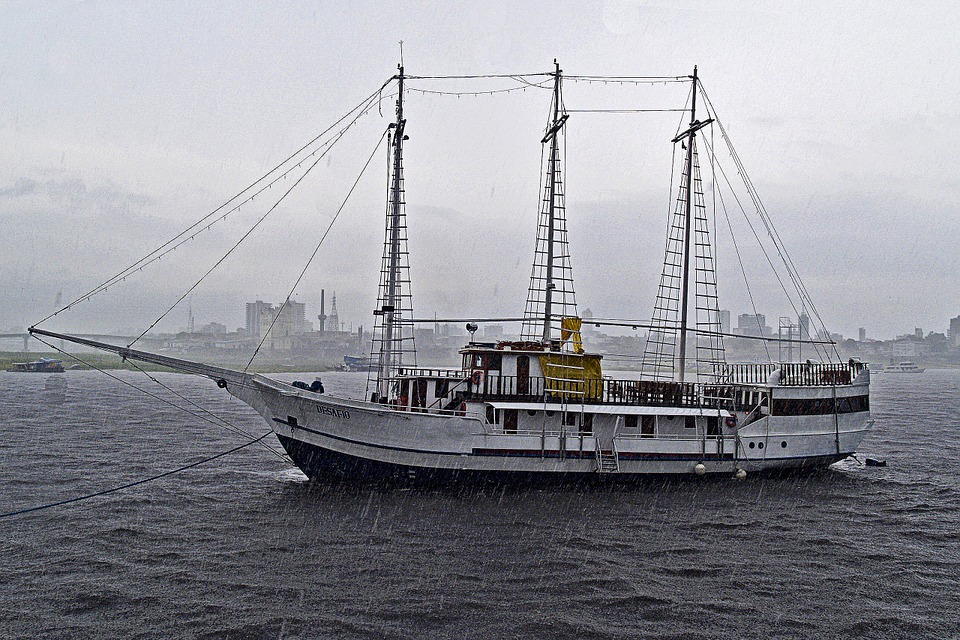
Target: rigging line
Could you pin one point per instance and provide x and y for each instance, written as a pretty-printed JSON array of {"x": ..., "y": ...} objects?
[
  {"x": 645, "y": 79},
  {"x": 756, "y": 235},
  {"x": 783, "y": 287},
  {"x": 215, "y": 419},
  {"x": 364, "y": 106},
  {"x": 475, "y": 77},
  {"x": 240, "y": 241},
  {"x": 771, "y": 229},
  {"x": 474, "y": 93},
  {"x": 128, "y": 485},
  {"x": 317, "y": 248},
  {"x": 743, "y": 270},
  {"x": 624, "y": 110},
  {"x": 222, "y": 422}
]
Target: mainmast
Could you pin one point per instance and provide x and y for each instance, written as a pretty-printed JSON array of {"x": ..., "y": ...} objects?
[
  {"x": 688, "y": 215},
  {"x": 689, "y": 276},
  {"x": 394, "y": 310},
  {"x": 551, "y": 283}
]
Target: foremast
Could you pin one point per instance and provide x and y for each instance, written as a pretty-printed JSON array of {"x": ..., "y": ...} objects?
[
  {"x": 551, "y": 292},
  {"x": 393, "y": 339}
]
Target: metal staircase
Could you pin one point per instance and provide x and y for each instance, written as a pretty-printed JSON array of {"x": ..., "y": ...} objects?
[{"x": 607, "y": 460}]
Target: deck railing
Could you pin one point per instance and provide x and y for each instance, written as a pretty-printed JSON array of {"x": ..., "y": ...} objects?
[
  {"x": 726, "y": 394},
  {"x": 792, "y": 374}
]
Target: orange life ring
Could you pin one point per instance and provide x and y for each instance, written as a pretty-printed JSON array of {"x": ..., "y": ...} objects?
[
  {"x": 477, "y": 378},
  {"x": 463, "y": 409},
  {"x": 731, "y": 421}
]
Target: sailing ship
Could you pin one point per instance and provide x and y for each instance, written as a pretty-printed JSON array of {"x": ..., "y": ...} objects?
[{"x": 539, "y": 407}]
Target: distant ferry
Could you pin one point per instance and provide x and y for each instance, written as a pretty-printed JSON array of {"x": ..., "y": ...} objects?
[
  {"x": 359, "y": 363},
  {"x": 904, "y": 367},
  {"x": 43, "y": 365}
]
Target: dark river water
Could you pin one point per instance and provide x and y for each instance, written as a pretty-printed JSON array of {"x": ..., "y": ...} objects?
[{"x": 244, "y": 547}]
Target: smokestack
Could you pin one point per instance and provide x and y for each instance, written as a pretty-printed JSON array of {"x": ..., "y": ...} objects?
[{"x": 323, "y": 314}]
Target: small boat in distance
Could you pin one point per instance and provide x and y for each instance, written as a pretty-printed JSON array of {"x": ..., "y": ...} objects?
[
  {"x": 358, "y": 363},
  {"x": 43, "y": 365},
  {"x": 903, "y": 367},
  {"x": 537, "y": 406}
]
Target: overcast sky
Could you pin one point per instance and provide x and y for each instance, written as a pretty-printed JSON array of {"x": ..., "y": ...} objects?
[{"x": 121, "y": 122}]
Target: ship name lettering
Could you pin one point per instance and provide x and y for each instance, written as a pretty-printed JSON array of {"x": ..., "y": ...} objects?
[{"x": 336, "y": 413}]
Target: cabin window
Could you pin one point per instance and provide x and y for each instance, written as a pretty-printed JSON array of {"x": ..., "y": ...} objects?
[
  {"x": 571, "y": 420},
  {"x": 478, "y": 361},
  {"x": 690, "y": 422},
  {"x": 713, "y": 426},
  {"x": 587, "y": 427},
  {"x": 510, "y": 421},
  {"x": 647, "y": 426},
  {"x": 443, "y": 388},
  {"x": 495, "y": 361},
  {"x": 630, "y": 422},
  {"x": 491, "y": 415}
]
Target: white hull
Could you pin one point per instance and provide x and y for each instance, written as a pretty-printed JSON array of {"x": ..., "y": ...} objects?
[{"x": 340, "y": 437}]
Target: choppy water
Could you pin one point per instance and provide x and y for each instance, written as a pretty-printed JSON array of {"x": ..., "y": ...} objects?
[{"x": 244, "y": 548}]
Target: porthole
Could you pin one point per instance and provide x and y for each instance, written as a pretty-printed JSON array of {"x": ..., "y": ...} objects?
[
  {"x": 760, "y": 445},
  {"x": 752, "y": 445},
  {"x": 531, "y": 412},
  {"x": 784, "y": 444},
  {"x": 549, "y": 413}
]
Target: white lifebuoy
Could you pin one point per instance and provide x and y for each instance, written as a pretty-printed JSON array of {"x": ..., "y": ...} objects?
[{"x": 732, "y": 421}]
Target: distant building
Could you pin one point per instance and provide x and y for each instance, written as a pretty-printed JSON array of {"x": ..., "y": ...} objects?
[
  {"x": 804, "y": 326},
  {"x": 256, "y": 310},
  {"x": 725, "y": 321},
  {"x": 279, "y": 323},
  {"x": 954, "y": 334},
  {"x": 214, "y": 328},
  {"x": 749, "y": 324},
  {"x": 862, "y": 334},
  {"x": 493, "y": 331}
]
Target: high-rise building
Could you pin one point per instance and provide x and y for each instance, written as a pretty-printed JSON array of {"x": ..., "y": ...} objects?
[
  {"x": 862, "y": 334},
  {"x": 749, "y": 324},
  {"x": 954, "y": 334},
  {"x": 255, "y": 311},
  {"x": 724, "y": 321},
  {"x": 804, "y": 326}
]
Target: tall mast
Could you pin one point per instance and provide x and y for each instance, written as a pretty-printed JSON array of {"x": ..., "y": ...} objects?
[
  {"x": 554, "y": 150},
  {"x": 392, "y": 298},
  {"x": 688, "y": 225}
]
